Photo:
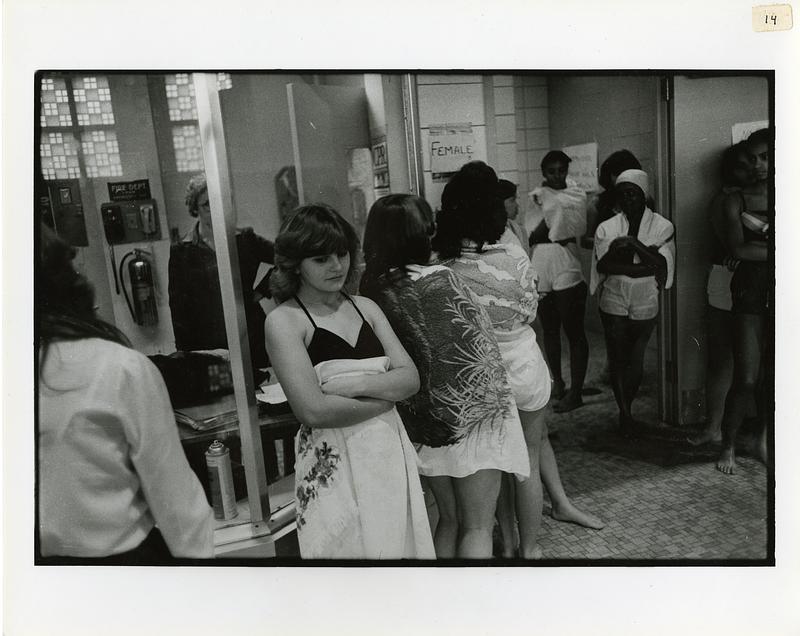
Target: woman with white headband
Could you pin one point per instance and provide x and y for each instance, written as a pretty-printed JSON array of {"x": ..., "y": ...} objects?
[{"x": 634, "y": 257}]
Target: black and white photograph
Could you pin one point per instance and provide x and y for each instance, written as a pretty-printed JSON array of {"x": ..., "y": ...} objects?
[{"x": 301, "y": 326}]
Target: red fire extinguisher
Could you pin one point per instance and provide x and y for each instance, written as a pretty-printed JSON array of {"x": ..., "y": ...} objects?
[{"x": 140, "y": 273}]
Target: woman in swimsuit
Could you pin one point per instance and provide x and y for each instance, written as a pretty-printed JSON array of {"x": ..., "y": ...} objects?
[
  {"x": 342, "y": 369},
  {"x": 746, "y": 223}
]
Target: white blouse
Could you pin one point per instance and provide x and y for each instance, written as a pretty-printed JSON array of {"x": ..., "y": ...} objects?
[{"x": 111, "y": 465}]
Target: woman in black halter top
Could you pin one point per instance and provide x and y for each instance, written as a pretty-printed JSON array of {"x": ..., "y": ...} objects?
[
  {"x": 342, "y": 368},
  {"x": 327, "y": 345}
]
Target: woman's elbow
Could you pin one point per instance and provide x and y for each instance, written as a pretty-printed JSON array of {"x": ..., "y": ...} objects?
[
  {"x": 312, "y": 416},
  {"x": 415, "y": 383},
  {"x": 411, "y": 383}
]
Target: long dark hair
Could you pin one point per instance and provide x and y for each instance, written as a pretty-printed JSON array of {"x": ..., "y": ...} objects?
[
  {"x": 398, "y": 233},
  {"x": 471, "y": 209},
  {"x": 730, "y": 161},
  {"x": 65, "y": 298},
  {"x": 311, "y": 230}
]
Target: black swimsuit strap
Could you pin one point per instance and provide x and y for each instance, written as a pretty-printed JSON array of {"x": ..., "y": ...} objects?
[
  {"x": 303, "y": 307},
  {"x": 352, "y": 302}
]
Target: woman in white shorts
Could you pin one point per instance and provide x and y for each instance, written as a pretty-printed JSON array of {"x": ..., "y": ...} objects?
[
  {"x": 471, "y": 220},
  {"x": 634, "y": 257}
]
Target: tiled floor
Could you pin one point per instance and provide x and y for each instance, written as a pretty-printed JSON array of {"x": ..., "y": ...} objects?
[{"x": 660, "y": 498}]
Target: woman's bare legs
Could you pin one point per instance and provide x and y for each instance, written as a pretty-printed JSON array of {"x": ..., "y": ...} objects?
[
  {"x": 476, "y": 500},
  {"x": 445, "y": 537},
  {"x": 529, "y": 492},
  {"x": 571, "y": 305},
  {"x": 719, "y": 373},
  {"x": 563, "y": 508},
  {"x": 747, "y": 346},
  {"x": 507, "y": 515}
]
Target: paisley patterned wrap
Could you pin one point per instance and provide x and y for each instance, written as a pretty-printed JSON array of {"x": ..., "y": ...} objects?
[{"x": 463, "y": 419}]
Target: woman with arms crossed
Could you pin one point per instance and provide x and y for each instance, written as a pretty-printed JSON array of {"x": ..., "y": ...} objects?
[{"x": 342, "y": 369}]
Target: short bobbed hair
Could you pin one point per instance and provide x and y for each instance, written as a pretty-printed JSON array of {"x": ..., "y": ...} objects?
[
  {"x": 398, "y": 234},
  {"x": 197, "y": 185},
  {"x": 471, "y": 209},
  {"x": 311, "y": 230}
]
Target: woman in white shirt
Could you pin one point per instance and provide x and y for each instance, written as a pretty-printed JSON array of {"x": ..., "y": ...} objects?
[{"x": 114, "y": 485}]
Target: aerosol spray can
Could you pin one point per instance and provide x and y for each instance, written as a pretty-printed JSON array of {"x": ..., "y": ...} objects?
[{"x": 220, "y": 476}]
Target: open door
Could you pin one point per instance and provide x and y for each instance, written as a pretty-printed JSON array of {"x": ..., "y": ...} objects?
[{"x": 330, "y": 129}]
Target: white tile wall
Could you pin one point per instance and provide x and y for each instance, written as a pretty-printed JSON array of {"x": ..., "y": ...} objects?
[
  {"x": 450, "y": 104},
  {"x": 506, "y": 128},
  {"x": 504, "y": 100},
  {"x": 506, "y": 157}
]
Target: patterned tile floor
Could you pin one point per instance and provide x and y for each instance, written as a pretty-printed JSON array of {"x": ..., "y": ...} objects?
[{"x": 660, "y": 498}]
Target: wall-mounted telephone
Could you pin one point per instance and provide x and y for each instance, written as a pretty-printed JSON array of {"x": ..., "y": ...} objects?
[
  {"x": 133, "y": 221},
  {"x": 130, "y": 221},
  {"x": 113, "y": 224}
]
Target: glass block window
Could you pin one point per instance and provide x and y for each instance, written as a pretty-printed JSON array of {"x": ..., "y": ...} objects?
[
  {"x": 188, "y": 148},
  {"x": 182, "y": 107},
  {"x": 180, "y": 94},
  {"x": 93, "y": 101},
  {"x": 59, "y": 153},
  {"x": 224, "y": 81},
  {"x": 101, "y": 153},
  {"x": 55, "y": 103},
  {"x": 180, "y": 97}
]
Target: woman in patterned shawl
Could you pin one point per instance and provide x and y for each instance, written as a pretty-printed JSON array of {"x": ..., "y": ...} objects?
[
  {"x": 471, "y": 221},
  {"x": 463, "y": 420}
]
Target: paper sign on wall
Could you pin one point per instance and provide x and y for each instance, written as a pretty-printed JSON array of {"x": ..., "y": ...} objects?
[
  {"x": 583, "y": 168},
  {"x": 450, "y": 147},
  {"x": 380, "y": 165},
  {"x": 741, "y": 131}
]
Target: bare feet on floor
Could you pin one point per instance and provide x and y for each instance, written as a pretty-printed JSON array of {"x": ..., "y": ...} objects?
[
  {"x": 571, "y": 514},
  {"x": 727, "y": 461},
  {"x": 571, "y": 401},
  {"x": 705, "y": 437},
  {"x": 533, "y": 553}
]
